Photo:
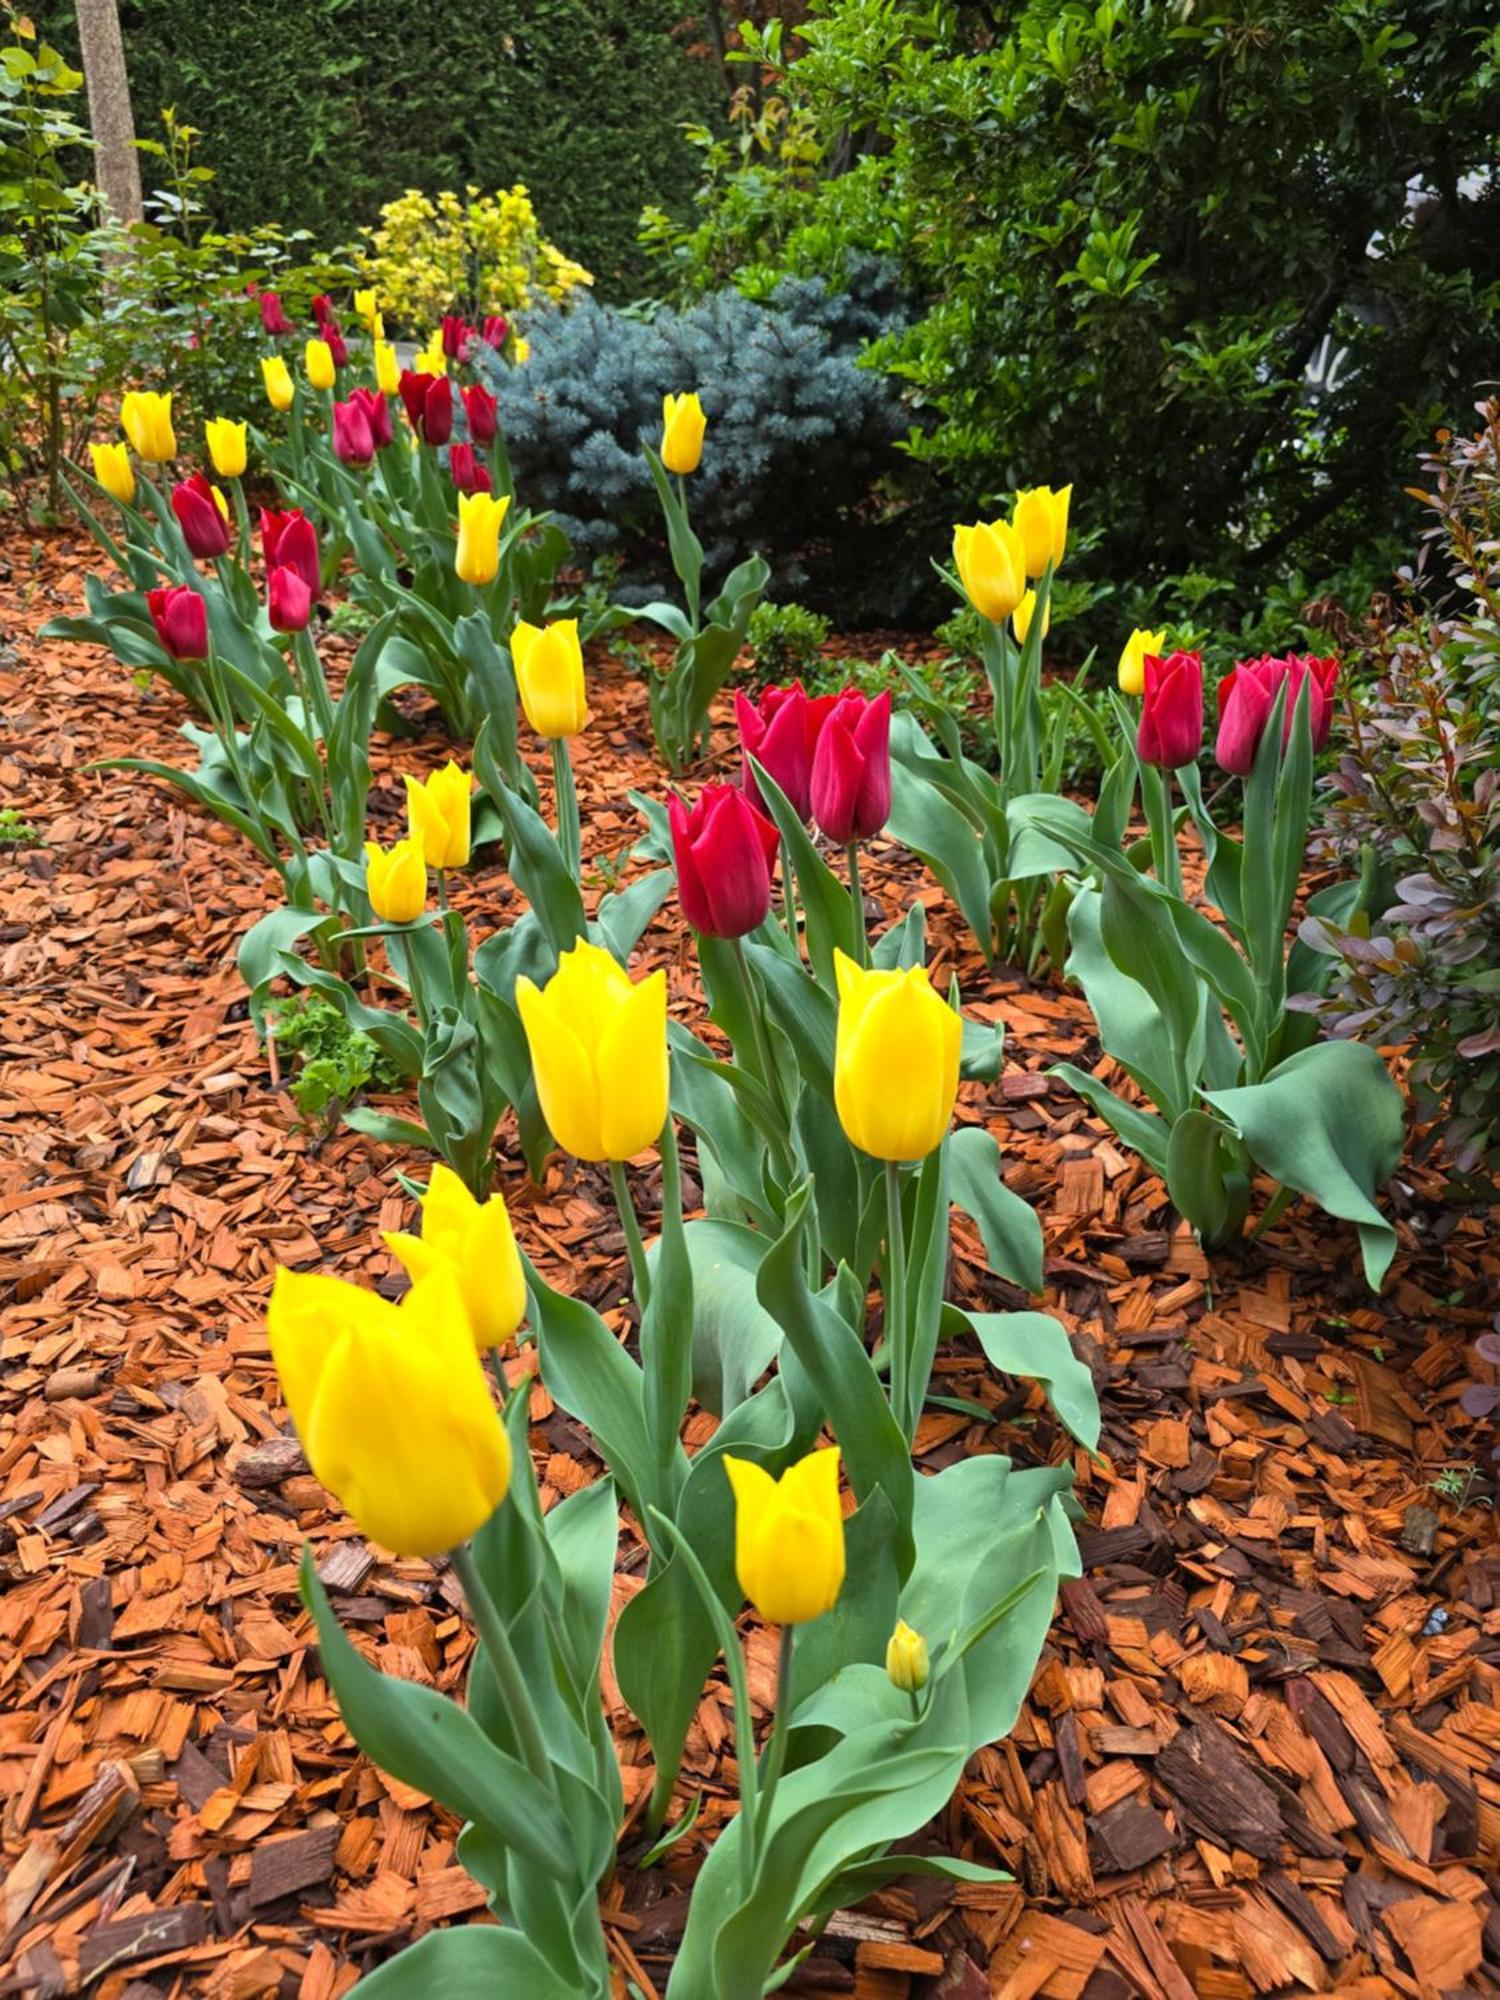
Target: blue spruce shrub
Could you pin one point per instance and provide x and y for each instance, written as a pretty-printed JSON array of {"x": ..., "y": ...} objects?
[{"x": 799, "y": 433}]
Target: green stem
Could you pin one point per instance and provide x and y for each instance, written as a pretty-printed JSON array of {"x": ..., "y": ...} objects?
[
  {"x": 242, "y": 518},
  {"x": 769, "y": 1774},
  {"x": 640, "y": 1277},
  {"x": 312, "y": 667},
  {"x": 789, "y": 899},
  {"x": 893, "y": 1280},
  {"x": 442, "y": 891},
  {"x": 857, "y": 898},
  {"x": 500, "y": 1656},
  {"x": 569, "y": 837}
]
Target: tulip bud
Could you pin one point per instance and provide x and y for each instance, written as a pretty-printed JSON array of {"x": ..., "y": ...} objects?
[
  {"x": 273, "y": 317},
  {"x": 780, "y": 732},
  {"x": 431, "y": 359},
  {"x": 480, "y": 519},
  {"x": 146, "y": 419},
  {"x": 1041, "y": 521},
  {"x": 494, "y": 330},
  {"x": 1248, "y": 694},
  {"x": 396, "y": 884},
  {"x": 428, "y": 402},
  {"x": 788, "y": 1536},
  {"x": 991, "y": 562},
  {"x": 318, "y": 360},
  {"x": 352, "y": 441},
  {"x": 906, "y": 1660},
  {"x": 365, "y": 305},
  {"x": 387, "y": 368},
  {"x": 290, "y": 541},
  {"x": 1021, "y": 617},
  {"x": 181, "y": 619},
  {"x": 226, "y": 446},
  {"x": 113, "y": 470},
  {"x": 1132, "y": 668},
  {"x": 289, "y": 601},
  {"x": 280, "y": 391},
  {"x": 724, "y": 850},
  {"x": 392, "y": 1406},
  {"x": 202, "y": 516},
  {"x": 1170, "y": 733},
  {"x": 475, "y": 1241},
  {"x": 455, "y": 334},
  {"x": 482, "y": 411},
  {"x": 520, "y": 350},
  {"x": 470, "y": 474},
  {"x": 548, "y": 660},
  {"x": 438, "y": 815},
  {"x": 377, "y": 414},
  {"x": 599, "y": 1052},
  {"x": 895, "y": 1061},
  {"x": 682, "y": 426},
  {"x": 338, "y": 347},
  {"x": 322, "y": 311},
  {"x": 851, "y": 772}
]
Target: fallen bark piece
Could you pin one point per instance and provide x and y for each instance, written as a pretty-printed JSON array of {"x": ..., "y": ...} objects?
[{"x": 1220, "y": 1792}]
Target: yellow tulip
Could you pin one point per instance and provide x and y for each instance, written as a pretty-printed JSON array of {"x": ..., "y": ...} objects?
[
  {"x": 549, "y": 673},
  {"x": 113, "y": 471},
  {"x": 392, "y": 1406},
  {"x": 146, "y": 419},
  {"x": 318, "y": 358},
  {"x": 396, "y": 880},
  {"x": 387, "y": 368},
  {"x": 991, "y": 565},
  {"x": 682, "y": 426},
  {"x": 226, "y": 446},
  {"x": 431, "y": 359},
  {"x": 1041, "y": 520},
  {"x": 788, "y": 1536},
  {"x": 474, "y": 1240},
  {"x": 1133, "y": 659},
  {"x": 895, "y": 1061},
  {"x": 520, "y": 350},
  {"x": 599, "y": 1049},
  {"x": 280, "y": 392},
  {"x": 1021, "y": 617},
  {"x": 437, "y": 815},
  {"x": 906, "y": 1659},
  {"x": 480, "y": 518},
  {"x": 365, "y": 305}
]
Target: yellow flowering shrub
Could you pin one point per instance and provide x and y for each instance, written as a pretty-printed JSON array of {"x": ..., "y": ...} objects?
[{"x": 479, "y": 253}]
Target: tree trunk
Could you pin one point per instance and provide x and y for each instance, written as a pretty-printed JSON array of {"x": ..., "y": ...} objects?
[{"x": 117, "y": 168}]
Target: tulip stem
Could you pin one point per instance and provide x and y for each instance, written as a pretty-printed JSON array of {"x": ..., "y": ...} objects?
[
  {"x": 857, "y": 898},
  {"x": 640, "y": 1277},
  {"x": 768, "y": 1776},
  {"x": 789, "y": 898},
  {"x": 894, "y": 1281},
  {"x": 500, "y": 1656},
  {"x": 569, "y": 836}
]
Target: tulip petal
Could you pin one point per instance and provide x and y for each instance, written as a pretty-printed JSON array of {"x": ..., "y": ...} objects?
[{"x": 633, "y": 1061}]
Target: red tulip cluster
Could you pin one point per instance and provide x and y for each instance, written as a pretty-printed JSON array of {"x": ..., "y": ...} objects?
[
  {"x": 830, "y": 754},
  {"x": 1248, "y": 694},
  {"x": 361, "y": 426},
  {"x": 470, "y": 474},
  {"x": 294, "y": 578}
]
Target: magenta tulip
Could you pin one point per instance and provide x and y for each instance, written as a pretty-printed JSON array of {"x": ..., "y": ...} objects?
[
  {"x": 290, "y": 601},
  {"x": 780, "y": 732},
  {"x": 203, "y": 526},
  {"x": 495, "y": 330},
  {"x": 723, "y": 849},
  {"x": 181, "y": 619},
  {"x": 469, "y": 474},
  {"x": 290, "y": 541},
  {"x": 273, "y": 314},
  {"x": 378, "y": 414},
  {"x": 851, "y": 771},
  {"x": 480, "y": 408},
  {"x": 1248, "y": 693},
  {"x": 1171, "y": 727},
  {"x": 352, "y": 441}
]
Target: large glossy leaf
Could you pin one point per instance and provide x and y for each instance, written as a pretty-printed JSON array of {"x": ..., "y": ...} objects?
[
  {"x": 734, "y": 1338},
  {"x": 1035, "y": 1345},
  {"x": 472, "y": 1962},
  {"x": 946, "y": 839},
  {"x": 1205, "y": 1175},
  {"x": 1009, "y": 1227}
]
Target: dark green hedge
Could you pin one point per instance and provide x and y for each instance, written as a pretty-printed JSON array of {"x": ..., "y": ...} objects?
[{"x": 314, "y": 113}]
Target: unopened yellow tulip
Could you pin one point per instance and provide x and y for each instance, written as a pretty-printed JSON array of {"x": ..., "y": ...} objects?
[
  {"x": 475, "y": 1241},
  {"x": 280, "y": 391},
  {"x": 387, "y": 368},
  {"x": 431, "y": 360},
  {"x": 520, "y": 350},
  {"x": 599, "y": 1050},
  {"x": 365, "y": 305},
  {"x": 437, "y": 815},
  {"x": 788, "y": 1536},
  {"x": 1041, "y": 520},
  {"x": 391, "y": 1406},
  {"x": 682, "y": 426},
  {"x": 113, "y": 470},
  {"x": 1132, "y": 669},
  {"x": 396, "y": 880},
  {"x": 549, "y": 673},
  {"x": 226, "y": 446},
  {"x": 906, "y": 1659},
  {"x": 895, "y": 1061},
  {"x": 146, "y": 419},
  {"x": 991, "y": 565},
  {"x": 318, "y": 358},
  {"x": 1021, "y": 617},
  {"x": 480, "y": 519}
]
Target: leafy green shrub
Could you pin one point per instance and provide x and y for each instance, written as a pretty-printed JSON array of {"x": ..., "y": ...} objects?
[
  {"x": 334, "y": 1061},
  {"x": 787, "y": 641},
  {"x": 485, "y": 254},
  {"x": 15, "y": 831},
  {"x": 798, "y": 431}
]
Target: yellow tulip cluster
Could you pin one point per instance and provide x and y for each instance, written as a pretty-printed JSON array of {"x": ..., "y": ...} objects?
[{"x": 995, "y": 558}]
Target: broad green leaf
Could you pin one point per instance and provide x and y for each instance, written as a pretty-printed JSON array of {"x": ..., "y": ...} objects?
[{"x": 1009, "y": 1227}]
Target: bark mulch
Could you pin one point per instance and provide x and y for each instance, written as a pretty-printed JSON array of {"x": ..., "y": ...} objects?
[{"x": 1261, "y": 1754}]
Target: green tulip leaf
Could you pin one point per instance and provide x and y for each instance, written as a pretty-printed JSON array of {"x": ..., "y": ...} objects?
[
  {"x": 470, "y": 1962},
  {"x": 1036, "y": 1346},
  {"x": 1008, "y": 1226}
]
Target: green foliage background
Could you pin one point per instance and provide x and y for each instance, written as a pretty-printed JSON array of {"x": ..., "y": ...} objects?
[{"x": 312, "y": 115}]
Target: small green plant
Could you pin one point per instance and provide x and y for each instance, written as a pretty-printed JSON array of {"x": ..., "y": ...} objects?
[
  {"x": 1455, "y": 1484},
  {"x": 334, "y": 1061},
  {"x": 787, "y": 641},
  {"x": 15, "y": 831}
]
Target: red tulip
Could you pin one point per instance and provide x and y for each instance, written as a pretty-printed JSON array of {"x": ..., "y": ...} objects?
[
  {"x": 723, "y": 849},
  {"x": 203, "y": 526},
  {"x": 1248, "y": 694},
  {"x": 469, "y": 474},
  {"x": 378, "y": 414},
  {"x": 273, "y": 315},
  {"x": 480, "y": 408},
  {"x": 428, "y": 401},
  {"x": 181, "y": 619},
  {"x": 338, "y": 347},
  {"x": 290, "y": 600},
  {"x": 851, "y": 772},
  {"x": 352, "y": 441},
  {"x": 290, "y": 541},
  {"x": 781, "y": 733},
  {"x": 322, "y": 310},
  {"x": 457, "y": 333},
  {"x": 495, "y": 330},
  {"x": 1171, "y": 727}
]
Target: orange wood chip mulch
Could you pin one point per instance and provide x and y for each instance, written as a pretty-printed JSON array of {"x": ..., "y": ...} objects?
[{"x": 1261, "y": 1754}]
